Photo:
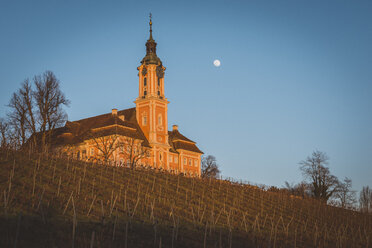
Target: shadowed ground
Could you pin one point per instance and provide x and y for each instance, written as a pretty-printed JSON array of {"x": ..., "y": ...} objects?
[{"x": 53, "y": 202}]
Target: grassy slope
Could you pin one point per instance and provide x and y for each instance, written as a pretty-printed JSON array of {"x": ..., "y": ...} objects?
[{"x": 49, "y": 202}]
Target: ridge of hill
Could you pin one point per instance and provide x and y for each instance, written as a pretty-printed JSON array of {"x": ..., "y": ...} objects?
[{"x": 52, "y": 202}]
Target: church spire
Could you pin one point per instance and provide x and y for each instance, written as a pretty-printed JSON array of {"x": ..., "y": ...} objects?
[
  {"x": 150, "y": 27},
  {"x": 151, "y": 57}
]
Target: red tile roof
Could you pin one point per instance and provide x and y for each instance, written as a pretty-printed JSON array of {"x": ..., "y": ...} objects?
[
  {"x": 179, "y": 141},
  {"x": 75, "y": 132}
]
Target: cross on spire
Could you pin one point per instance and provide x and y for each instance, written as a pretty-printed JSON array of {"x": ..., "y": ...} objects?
[
  {"x": 150, "y": 26},
  {"x": 151, "y": 57}
]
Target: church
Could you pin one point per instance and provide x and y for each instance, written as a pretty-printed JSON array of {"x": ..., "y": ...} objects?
[{"x": 137, "y": 136}]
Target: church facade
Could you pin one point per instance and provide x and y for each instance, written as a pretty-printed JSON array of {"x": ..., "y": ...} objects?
[{"x": 137, "y": 136}]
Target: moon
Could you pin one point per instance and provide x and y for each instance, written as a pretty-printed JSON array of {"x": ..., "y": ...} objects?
[{"x": 216, "y": 63}]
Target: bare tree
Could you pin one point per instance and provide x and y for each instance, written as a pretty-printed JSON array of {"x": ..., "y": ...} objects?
[
  {"x": 26, "y": 93},
  {"x": 345, "y": 195},
  {"x": 323, "y": 184},
  {"x": 365, "y": 200},
  {"x": 209, "y": 167},
  {"x": 299, "y": 189},
  {"x": 105, "y": 144},
  {"x": 133, "y": 151},
  {"x": 18, "y": 115},
  {"x": 4, "y": 127},
  {"x": 37, "y": 112},
  {"x": 108, "y": 146},
  {"x": 49, "y": 100}
]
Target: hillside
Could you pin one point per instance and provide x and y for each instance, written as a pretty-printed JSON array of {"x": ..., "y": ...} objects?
[{"x": 51, "y": 202}]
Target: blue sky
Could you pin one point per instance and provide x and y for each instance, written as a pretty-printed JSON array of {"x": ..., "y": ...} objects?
[{"x": 295, "y": 76}]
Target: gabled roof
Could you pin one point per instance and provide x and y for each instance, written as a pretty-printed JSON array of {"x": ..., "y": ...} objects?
[
  {"x": 176, "y": 135},
  {"x": 75, "y": 132},
  {"x": 105, "y": 120},
  {"x": 178, "y": 141},
  {"x": 101, "y": 125}
]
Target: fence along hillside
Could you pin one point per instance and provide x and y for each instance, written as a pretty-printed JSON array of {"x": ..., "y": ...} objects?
[{"x": 49, "y": 201}]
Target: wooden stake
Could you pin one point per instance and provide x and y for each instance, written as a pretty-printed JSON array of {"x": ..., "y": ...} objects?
[
  {"x": 92, "y": 239},
  {"x": 73, "y": 223},
  {"x": 91, "y": 205},
  {"x": 18, "y": 227},
  {"x": 64, "y": 211},
  {"x": 126, "y": 235},
  {"x": 59, "y": 185}
]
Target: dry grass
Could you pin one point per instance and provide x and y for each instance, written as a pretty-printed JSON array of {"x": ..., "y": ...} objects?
[{"x": 53, "y": 202}]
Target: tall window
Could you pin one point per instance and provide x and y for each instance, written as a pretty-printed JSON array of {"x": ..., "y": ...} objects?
[
  {"x": 158, "y": 92},
  {"x": 145, "y": 93},
  {"x": 144, "y": 120},
  {"x": 144, "y": 81},
  {"x": 160, "y": 120},
  {"x": 158, "y": 81}
]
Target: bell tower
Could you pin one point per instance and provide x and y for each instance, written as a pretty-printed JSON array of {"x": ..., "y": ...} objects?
[{"x": 151, "y": 104}]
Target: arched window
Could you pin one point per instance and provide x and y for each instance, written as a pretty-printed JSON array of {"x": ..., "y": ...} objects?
[
  {"x": 144, "y": 120},
  {"x": 145, "y": 93},
  {"x": 144, "y": 81}
]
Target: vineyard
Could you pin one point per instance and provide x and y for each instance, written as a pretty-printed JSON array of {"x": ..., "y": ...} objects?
[{"x": 52, "y": 202}]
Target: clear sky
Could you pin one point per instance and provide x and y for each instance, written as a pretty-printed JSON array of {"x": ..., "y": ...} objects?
[{"x": 295, "y": 76}]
